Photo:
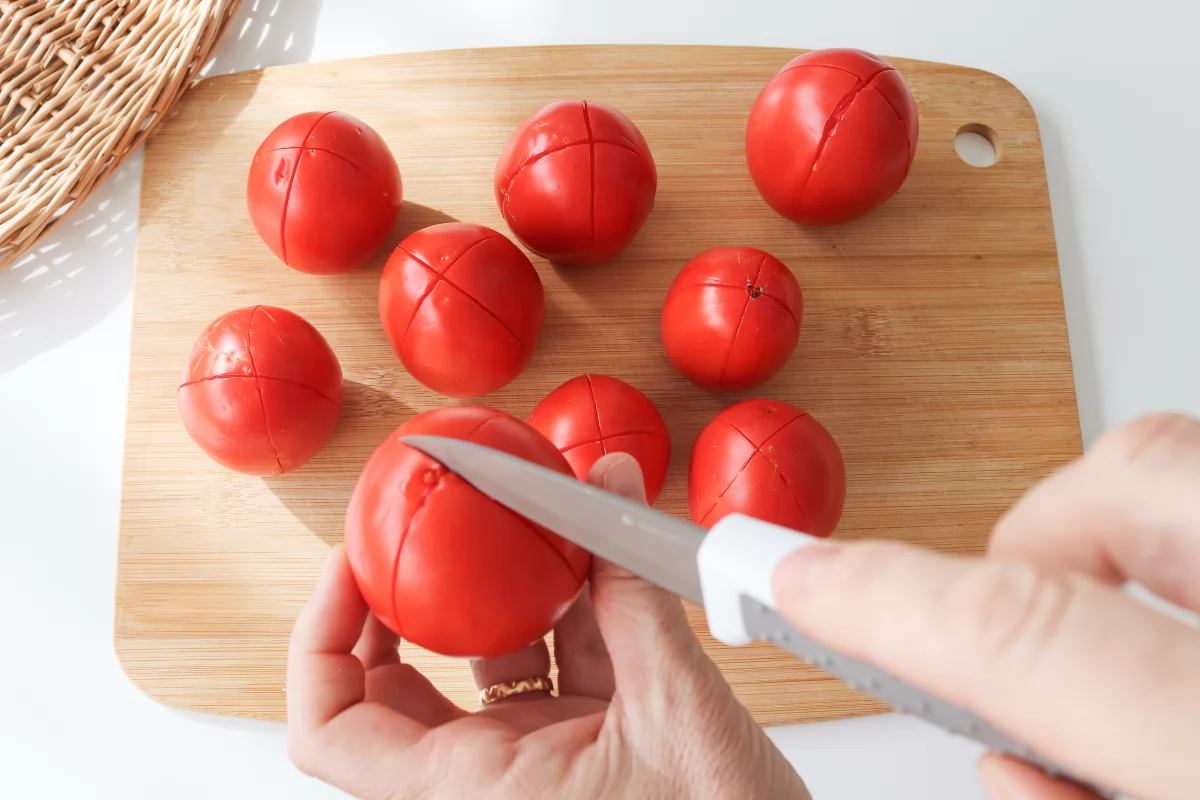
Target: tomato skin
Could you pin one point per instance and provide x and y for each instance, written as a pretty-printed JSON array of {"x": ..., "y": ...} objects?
[
  {"x": 768, "y": 460},
  {"x": 575, "y": 182},
  {"x": 462, "y": 307},
  {"x": 732, "y": 318},
  {"x": 832, "y": 136},
  {"x": 443, "y": 565},
  {"x": 592, "y": 415},
  {"x": 261, "y": 391},
  {"x": 323, "y": 192}
]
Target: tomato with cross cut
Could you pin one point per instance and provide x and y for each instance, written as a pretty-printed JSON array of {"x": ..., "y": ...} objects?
[
  {"x": 575, "y": 182},
  {"x": 462, "y": 307},
  {"x": 732, "y": 318},
  {"x": 323, "y": 192},
  {"x": 832, "y": 136},
  {"x": 592, "y": 415},
  {"x": 261, "y": 390},
  {"x": 768, "y": 460}
]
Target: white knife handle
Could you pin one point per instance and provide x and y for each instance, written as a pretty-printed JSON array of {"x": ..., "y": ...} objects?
[
  {"x": 736, "y": 561},
  {"x": 738, "y": 557}
]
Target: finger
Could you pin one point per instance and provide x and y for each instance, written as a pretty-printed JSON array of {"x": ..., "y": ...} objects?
[
  {"x": 1128, "y": 511},
  {"x": 399, "y": 686},
  {"x": 584, "y": 667},
  {"x": 530, "y": 662},
  {"x": 378, "y": 645},
  {"x": 1006, "y": 779},
  {"x": 402, "y": 688},
  {"x": 324, "y": 678},
  {"x": 332, "y": 733},
  {"x": 655, "y": 655},
  {"x": 1059, "y": 661}
]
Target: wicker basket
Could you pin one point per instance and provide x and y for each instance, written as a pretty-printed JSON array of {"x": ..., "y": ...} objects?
[{"x": 83, "y": 82}]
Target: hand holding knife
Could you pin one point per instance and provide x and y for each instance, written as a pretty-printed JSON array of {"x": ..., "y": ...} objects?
[{"x": 727, "y": 571}]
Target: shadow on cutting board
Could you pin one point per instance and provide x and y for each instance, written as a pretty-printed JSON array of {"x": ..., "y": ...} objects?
[
  {"x": 317, "y": 494},
  {"x": 413, "y": 217}
]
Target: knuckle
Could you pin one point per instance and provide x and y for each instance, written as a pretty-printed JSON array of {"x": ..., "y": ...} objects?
[
  {"x": 301, "y": 752},
  {"x": 1009, "y": 613},
  {"x": 1148, "y": 436}
]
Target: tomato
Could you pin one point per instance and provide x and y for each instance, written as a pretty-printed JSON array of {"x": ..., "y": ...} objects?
[
  {"x": 768, "y": 460},
  {"x": 832, "y": 136},
  {"x": 732, "y": 318},
  {"x": 261, "y": 390},
  {"x": 324, "y": 191},
  {"x": 592, "y": 415},
  {"x": 462, "y": 307},
  {"x": 575, "y": 182},
  {"x": 442, "y": 564}
]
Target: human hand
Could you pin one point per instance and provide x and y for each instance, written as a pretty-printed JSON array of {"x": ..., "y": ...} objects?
[
  {"x": 641, "y": 710},
  {"x": 1037, "y": 638}
]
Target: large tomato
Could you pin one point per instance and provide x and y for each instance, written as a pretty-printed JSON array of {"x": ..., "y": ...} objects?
[
  {"x": 261, "y": 390},
  {"x": 592, "y": 415},
  {"x": 462, "y": 307},
  {"x": 832, "y": 136},
  {"x": 575, "y": 182},
  {"x": 768, "y": 460},
  {"x": 324, "y": 191},
  {"x": 443, "y": 565},
  {"x": 732, "y": 318}
]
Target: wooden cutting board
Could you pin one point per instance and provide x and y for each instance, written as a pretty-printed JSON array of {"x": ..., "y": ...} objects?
[{"x": 934, "y": 345}]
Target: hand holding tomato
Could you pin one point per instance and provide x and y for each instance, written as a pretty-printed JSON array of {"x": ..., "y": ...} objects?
[{"x": 363, "y": 721}]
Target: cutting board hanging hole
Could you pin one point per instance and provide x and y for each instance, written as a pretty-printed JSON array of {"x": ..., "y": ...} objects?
[{"x": 977, "y": 144}]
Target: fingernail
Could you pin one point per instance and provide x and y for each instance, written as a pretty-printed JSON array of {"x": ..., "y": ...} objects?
[
  {"x": 624, "y": 477},
  {"x": 804, "y": 569}
]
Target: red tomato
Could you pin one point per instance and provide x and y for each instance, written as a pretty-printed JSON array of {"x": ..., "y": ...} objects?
[
  {"x": 575, "y": 182},
  {"x": 832, "y": 136},
  {"x": 462, "y": 307},
  {"x": 443, "y": 565},
  {"x": 261, "y": 390},
  {"x": 768, "y": 460},
  {"x": 592, "y": 415},
  {"x": 732, "y": 318},
  {"x": 324, "y": 191}
]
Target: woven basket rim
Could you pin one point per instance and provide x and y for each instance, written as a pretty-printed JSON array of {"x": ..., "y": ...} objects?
[{"x": 82, "y": 84}]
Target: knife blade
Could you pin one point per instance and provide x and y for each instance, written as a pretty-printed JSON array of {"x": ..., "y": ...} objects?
[{"x": 656, "y": 546}]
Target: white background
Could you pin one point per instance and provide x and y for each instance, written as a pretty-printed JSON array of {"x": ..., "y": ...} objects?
[{"x": 1117, "y": 98}]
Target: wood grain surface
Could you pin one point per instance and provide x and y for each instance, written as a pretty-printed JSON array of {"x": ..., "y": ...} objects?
[{"x": 934, "y": 344}]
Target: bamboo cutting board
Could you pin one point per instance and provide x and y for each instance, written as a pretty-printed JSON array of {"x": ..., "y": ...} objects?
[{"x": 934, "y": 345}]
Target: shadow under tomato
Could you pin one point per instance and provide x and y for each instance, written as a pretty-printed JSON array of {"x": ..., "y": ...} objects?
[
  {"x": 413, "y": 217},
  {"x": 317, "y": 494}
]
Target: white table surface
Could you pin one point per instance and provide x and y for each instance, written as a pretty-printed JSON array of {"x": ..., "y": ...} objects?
[{"x": 1116, "y": 96}]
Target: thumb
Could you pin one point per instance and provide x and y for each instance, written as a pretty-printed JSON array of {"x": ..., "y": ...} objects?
[
  {"x": 1082, "y": 673},
  {"x": 645, "y": 628}
]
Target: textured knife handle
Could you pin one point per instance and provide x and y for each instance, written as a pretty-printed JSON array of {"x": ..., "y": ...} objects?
[{"x": 765, "y": 624}]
